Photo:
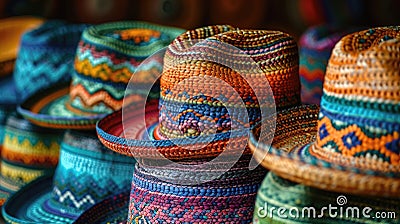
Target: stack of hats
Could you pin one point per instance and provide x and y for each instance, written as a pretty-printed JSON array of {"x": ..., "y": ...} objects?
[
  {"x": 11, "y": 30},
  {"x": 193, "y": 159},
  {"x": 45, "y": 56},
  {"x": 87, "y": 172},
  {"x": 316, "y": 45},
  {"x": 352, "y": 143},
  {"x": 28, "y": 152}
]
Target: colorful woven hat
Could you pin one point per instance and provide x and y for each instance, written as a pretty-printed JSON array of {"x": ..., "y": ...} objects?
[
  {"x": 188, "y": 110},
  {"x": 28, "y": 152},
  {"x": 106, "y": 58},
  {"x": 302, "y": 204},
  {"x": 357, "y": 130},
  {"x": 316, "y": 45},
  {"x": 46, "y": 56},
  {"x": 189, "y": 191},
  {"x": 86, "y": 174}
]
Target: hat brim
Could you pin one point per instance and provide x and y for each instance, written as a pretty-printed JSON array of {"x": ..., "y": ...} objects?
[
  {"x": 48, "y": 108},
  {"x": 290, "y": 157},
  {"x": 28, "y": 205},
  {"x": 113, "y": 209},
  {"x": 142, "y": 142}
]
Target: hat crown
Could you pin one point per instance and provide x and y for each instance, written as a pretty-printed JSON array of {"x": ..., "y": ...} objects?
[
  {"x": 106, "y": 58},
  {"x": 88, "y": 172},
  {"x": 46, "y": 56},
  {"x": 208, "y": 70},
  {"x": 360, "y": 106}
]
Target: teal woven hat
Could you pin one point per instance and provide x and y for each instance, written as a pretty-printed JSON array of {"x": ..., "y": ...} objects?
[
  {"x": 29, "y": 151},
  {"x": 282, "y": 201},
  {"x": 87, "y": 173},
  {"x": 46, "y": 56},
  {"x": 107, "y": 56}
]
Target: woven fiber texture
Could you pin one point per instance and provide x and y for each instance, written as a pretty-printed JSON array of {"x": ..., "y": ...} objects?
[
  {"x": 107, "y": 56},
  {"x": 229, "y": 198},
  {"x": 316, "y": 45},
  {"x": 357, "y": 133},
  {"x": 276, "y": 192},
  {"x": 188, "y": 112},
  {"x": 46, "y": 56},
  {"x": 28, "y": 152},
  {"x": 113, "y": 209},
  {"x": 86, "y": 174}
]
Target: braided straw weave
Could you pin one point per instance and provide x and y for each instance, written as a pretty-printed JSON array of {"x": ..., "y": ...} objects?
[
  {"x": 191, "y": 110},
  {"x": 357, "y": 147}
]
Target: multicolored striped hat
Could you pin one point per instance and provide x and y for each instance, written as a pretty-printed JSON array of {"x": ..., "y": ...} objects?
[
  {"x": 87, "y": 173},
  {"x": 316, "y": 45},
  {"x": 105, "y": 60},
  {"x": 28, "y": 152},
  {"x": 282, "y": 201},
  {"x": 194, "y": 127},
  {"x": 197, "y": 94},
  {"x": 352, "y": 144}
]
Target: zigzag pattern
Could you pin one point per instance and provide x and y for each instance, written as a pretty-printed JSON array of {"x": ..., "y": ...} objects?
[
  {"x": 68, "y": 195},
  {"x": 19, "y": 174},
  {"x": 352, "y": 141},
  {"x": 101, "y": 96},
  {"x": 104, "y": 69},
  {"x": 31, "y": 146},
  {"x": 43, "y": 68}
]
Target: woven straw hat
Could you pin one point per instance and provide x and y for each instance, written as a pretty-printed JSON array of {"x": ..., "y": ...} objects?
[
  {"x": 187, "y": 111},
  {"x": 352, "y": 144},
  {"x": 188, "y": 189},
  {"x": 28, "y": 152},
  {"x": 303, "y": 204},
  {"x": 86, "y": 174},
  {"x": 107, "y": 56}
]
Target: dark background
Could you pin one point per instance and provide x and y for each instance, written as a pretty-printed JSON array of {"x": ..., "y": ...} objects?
[{"x": 292, "y": 16}]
